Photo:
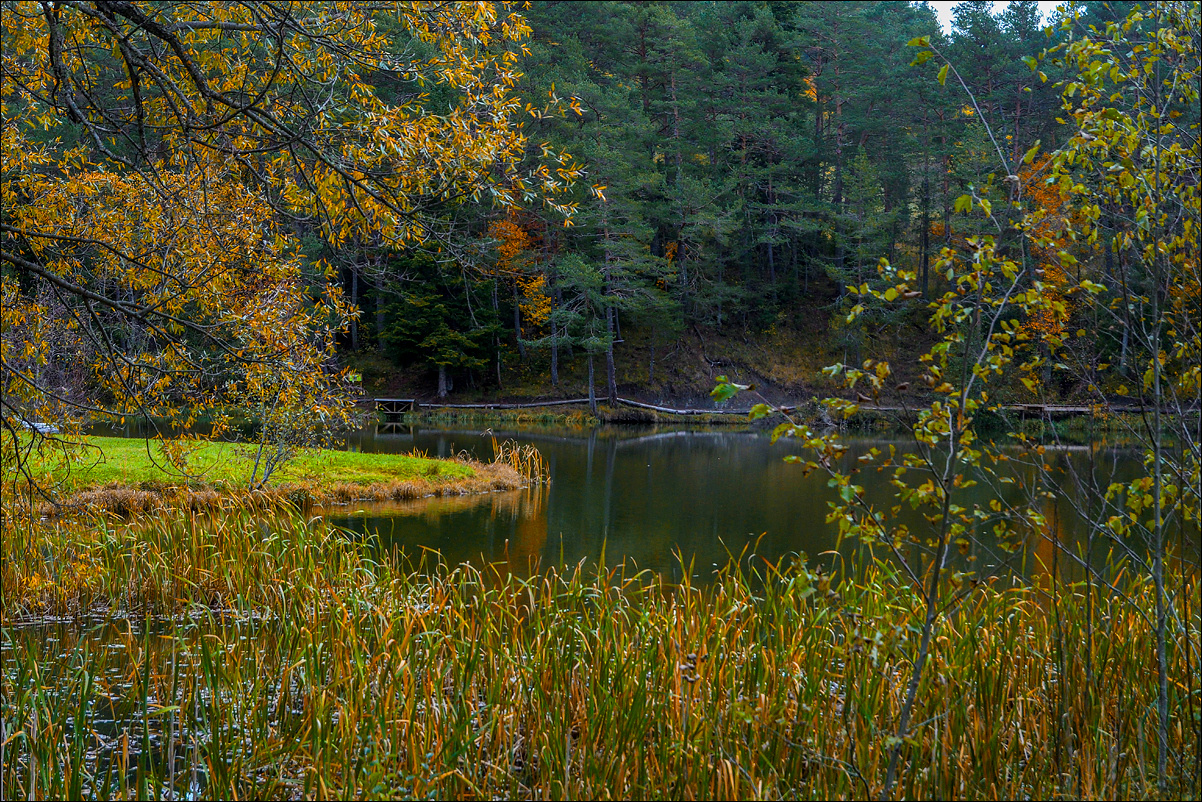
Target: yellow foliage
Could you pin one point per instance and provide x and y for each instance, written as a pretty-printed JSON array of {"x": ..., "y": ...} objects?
[
  {"x": 536, "y": 304},
  {"x": 1049, "y": 222},
  {"x": 150, "y": 273}
]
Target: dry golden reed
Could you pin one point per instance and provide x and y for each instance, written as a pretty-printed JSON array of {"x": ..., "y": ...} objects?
[
  {"x": 125, "y": 500},
  {"x": 272, "y": 657}
]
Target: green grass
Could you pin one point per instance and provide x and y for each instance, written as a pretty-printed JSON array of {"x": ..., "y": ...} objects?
[
  {"x": 104, "y": 461},
  {"x": 542, "y": 416}
]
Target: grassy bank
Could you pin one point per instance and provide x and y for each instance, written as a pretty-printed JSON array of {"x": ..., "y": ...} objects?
[
  {"x": 537, "y": 416},
  {"x": 579, "y": 417},
  {"x": 340, "y": 676},
  {"x": 128, "y": 475}
]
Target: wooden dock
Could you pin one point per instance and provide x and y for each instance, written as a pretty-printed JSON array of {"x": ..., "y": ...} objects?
[{"x": 392, "y": 407}]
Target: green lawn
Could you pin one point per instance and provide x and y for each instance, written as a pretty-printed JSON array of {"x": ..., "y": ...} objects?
[{"x": 117, "y": 460}]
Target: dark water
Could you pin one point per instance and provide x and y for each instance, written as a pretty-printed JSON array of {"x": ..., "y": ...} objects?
[{"x": 667, "y": 496}]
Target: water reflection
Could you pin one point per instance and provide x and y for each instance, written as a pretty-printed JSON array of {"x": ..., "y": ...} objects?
[
  {"x": 660, "y": 495},
  {"x": 663, "y": 495}
]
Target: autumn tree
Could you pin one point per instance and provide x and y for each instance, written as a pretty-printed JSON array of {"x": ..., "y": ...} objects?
[{"x": 159, "y": 160}]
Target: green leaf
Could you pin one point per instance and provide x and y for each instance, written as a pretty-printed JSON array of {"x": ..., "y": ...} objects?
[
  {"x": 890, "y": 294},
  {"x": 987, "y": 206},
  {"x": 725, "y": 390},
  {"x": 1030, "y": 62},
  {"x": 759, "y": 411},
  {"x": 919, "y": 41},
  {"x": 1030, "y": 154},
  {"x": 964, "y": 203},
  {"x": 943, "y": 75}
]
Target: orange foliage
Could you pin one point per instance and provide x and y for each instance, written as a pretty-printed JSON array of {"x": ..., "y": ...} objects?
[
  {"x": 511, "y": 239},
  {"x": 1048, "y": 202},
  {"x": 514, "y": 257}
]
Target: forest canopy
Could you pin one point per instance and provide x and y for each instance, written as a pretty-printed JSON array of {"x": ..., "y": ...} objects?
[{"x": 497, "y": 195}]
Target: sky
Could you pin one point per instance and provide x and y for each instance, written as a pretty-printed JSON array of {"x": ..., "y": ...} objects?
[{"x": 944, "y": 9}]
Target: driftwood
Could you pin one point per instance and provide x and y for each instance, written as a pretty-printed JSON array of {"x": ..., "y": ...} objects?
[{"x": 1041, "y": 410}]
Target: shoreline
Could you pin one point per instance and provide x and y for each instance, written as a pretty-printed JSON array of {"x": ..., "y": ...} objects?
[
  {"x": 129, "y": 476},
  {"x": 130, "y": 499}
]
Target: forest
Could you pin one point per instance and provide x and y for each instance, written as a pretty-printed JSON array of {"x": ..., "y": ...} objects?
[{"x": 746, "y": 162}]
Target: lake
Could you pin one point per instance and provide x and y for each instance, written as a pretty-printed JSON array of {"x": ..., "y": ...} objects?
[
  {"x": 660, "y": 495},
  {"x": 193, "y": 697}
]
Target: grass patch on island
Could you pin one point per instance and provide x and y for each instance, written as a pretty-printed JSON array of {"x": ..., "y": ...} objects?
[
  {"x": 128, "y": 475},
  {"x": 106, "y": 460}
]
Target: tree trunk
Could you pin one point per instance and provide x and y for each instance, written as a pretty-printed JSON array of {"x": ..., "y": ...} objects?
[
  {"x": 684, "y": 272},
  {"x": 496, "y": 340},
  {"x": 380, "y": 323},
  {"x": 610, "y": 378},
  {"x": 947, "y": 200},
  {"x": 926, "y": 228},
  {"x": 817, "y": 173},
  {"x": 380, "y": 284},
  {"x": 355, "y": 305},
  {"x": 517, "y": 321},
  {"x": 840, "y": 250},
  {"x": 651, "y": 361},
  {"x": 556, "y": 300},
  {"x": 611, "y": 382},
  {"x": 592, "y": 392},
  {"x": 442, "y": 381},
  {"x": 771, "y": 264}
]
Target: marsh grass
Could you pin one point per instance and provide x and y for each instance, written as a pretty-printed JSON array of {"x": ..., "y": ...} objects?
[
  {"x": 238, "y": 655},
  {"x": 526, "y": 460},
  {"x": 545, "y": 416}
]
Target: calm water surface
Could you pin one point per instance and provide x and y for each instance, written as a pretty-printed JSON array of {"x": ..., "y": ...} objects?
[
  {"x": 657, "y": 496},
  {"x": 663, "y": 496}
]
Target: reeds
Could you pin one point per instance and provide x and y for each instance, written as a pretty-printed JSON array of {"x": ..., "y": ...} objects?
[
  {"x": 526, "y": 460},
  {"x": 243, "y": 656}
]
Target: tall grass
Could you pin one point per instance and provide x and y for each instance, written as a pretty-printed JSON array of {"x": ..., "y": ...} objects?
[
  {"x": 242, "y": 656},
  {"x": 525, "y": 459}
]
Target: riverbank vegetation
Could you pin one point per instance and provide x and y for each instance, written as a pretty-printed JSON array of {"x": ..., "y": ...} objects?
[
  {"x": 341, "y": 674},
  {"x": 576, "y": 415},
  {"x": 126, "y": 476}
]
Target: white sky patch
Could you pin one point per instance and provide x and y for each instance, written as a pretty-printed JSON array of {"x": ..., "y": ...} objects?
[{"x": 943, "y": 8}]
